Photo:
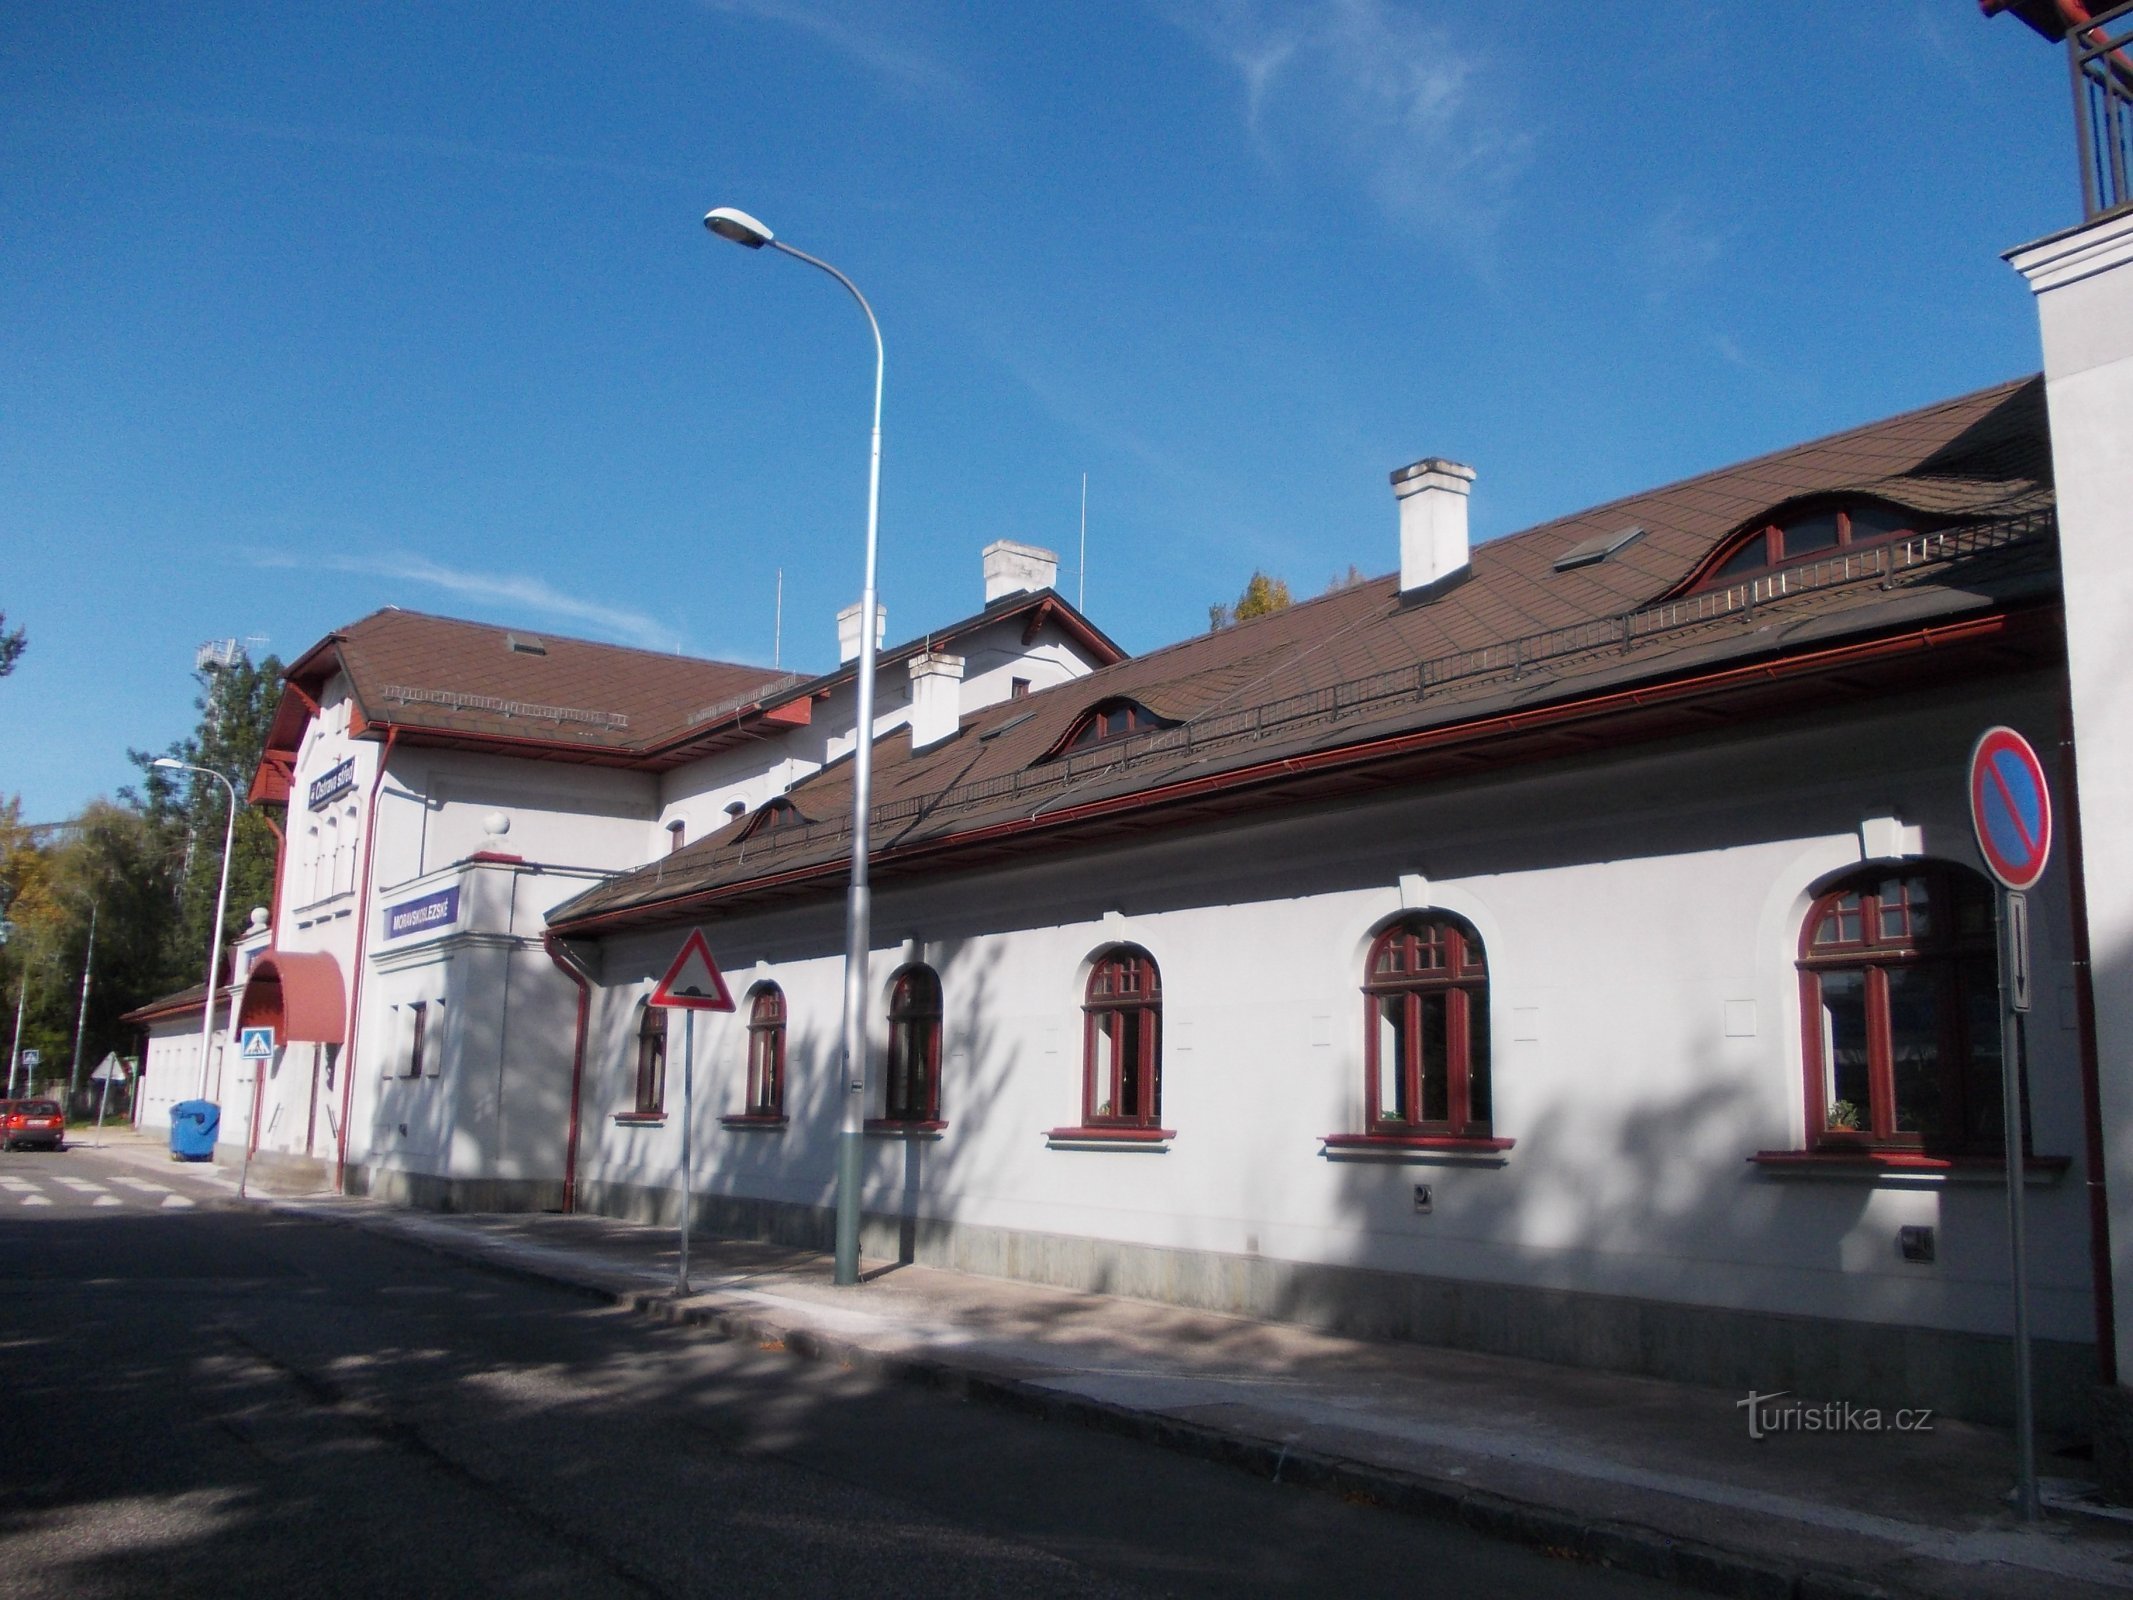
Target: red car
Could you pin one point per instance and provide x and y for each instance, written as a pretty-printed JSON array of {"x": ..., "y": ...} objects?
[{"x": 25, "y": 1123}]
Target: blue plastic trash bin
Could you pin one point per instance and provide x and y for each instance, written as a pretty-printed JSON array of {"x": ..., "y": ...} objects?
[{"x": 193, "y": 1125}]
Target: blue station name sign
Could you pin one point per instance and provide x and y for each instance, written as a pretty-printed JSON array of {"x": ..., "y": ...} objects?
[
  {"x": 334, "y": 782},
  {"x": 438, "y": 910}
]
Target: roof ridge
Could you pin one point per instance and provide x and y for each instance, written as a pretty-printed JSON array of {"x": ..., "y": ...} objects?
[{"x": 562, "y": 638}]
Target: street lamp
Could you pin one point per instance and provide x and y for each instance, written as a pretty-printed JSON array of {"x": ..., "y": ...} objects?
[
  {"x": 743, "y": 229},
  {"x": 222, "y": 895}
]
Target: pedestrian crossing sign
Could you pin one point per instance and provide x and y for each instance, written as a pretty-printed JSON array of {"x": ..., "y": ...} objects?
[{"x": 255, "y": 1044}]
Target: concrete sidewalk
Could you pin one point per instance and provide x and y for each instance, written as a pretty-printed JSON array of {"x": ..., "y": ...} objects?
[{"x": 1653, "y": 1477}]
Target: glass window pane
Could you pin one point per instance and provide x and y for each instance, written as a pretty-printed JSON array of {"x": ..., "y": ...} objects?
[
  {"x": 1750, "y": 557},
  {"x": 1980, "y": 984},
  {"x": 1846, "y": 1091},
  {"x": 1915, "y": 1031},
  {"x": 1392, "y": 1057},
  {"x": 1876, "y": 522},
  {"x": 1477, "y": 1056},
  {"x": 1436, "y": 1080},
  {"x": 1810, "y": 534},
  {"x": 1129, "y": 1063}
]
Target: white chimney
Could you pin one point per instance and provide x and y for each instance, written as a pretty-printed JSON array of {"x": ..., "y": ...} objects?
[
  {"x": 1012, "y": 568},
  {"x": 1432, "y": 495},
  {"x": 848, "y": 630},
  {"x": 936, "y": 697}
]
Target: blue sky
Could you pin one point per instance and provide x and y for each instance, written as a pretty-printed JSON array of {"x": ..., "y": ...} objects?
[{"x": 315, "y": 309}]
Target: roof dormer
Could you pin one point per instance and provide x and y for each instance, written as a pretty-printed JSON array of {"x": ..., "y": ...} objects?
[{"x": 1803, "y": 533}]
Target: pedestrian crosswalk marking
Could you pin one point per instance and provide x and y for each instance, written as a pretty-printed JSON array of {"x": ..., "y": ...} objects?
[
  {"x": 175, "y": 1202},
  {"x": 17, "y": 1183},
  {"x": 36, "y": 1199},
  {"x": 83, "y": 1186},
  {"x": 144, "y": 1185},
  {"x": 109, "y": 1200}
]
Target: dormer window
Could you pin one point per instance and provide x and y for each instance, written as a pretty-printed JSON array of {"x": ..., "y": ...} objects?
[
  {"x": 773, "y": 816},
  {"x": 1109, "y": 721},
  {"x": 1804, "y": 536}
]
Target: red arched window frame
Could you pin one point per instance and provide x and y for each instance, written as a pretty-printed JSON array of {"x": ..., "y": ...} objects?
[
  {"x": 766, "y": 1051},
  {"x": 652, "y": 1062},
  {"x": 1426, "y": 1031},
  {"x": 1122, "y": 1042},
  {"x": 912, "y": 1090},
  {"x": 1805, "y": 534},
  {"x": 1107, "y": 722},
  {"x": 1900, "y": 1013}
]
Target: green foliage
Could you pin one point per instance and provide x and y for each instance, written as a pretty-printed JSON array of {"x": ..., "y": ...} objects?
[
  {"x": 148, "y": 865},
  {"x": 12, "y": 644},
  {"x": 1262, "y": 597},
  {"x": 1346, "y": 580}
]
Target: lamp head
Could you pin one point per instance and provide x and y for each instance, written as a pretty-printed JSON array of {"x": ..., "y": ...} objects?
[
  {"x": 738, "y": 226},
  {"x": 169, "y": 763}
]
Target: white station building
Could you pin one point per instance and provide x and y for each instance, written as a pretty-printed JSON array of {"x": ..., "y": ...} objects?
[{"x": 1574, "y": 946}]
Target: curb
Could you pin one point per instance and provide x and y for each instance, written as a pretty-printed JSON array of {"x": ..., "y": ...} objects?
[{"x": 1621, "y": 1546}]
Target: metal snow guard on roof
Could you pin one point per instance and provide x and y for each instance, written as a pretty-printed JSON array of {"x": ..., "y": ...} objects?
[{"x": 1381, "y": 692}]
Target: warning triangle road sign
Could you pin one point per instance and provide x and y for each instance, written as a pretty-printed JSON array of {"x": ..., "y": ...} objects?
[{"x": 693, "y": 982}]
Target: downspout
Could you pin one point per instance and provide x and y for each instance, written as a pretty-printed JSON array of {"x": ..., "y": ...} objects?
[
  {"x": 355, "y": 981},
  {"x": 562, "y": 957},
  {"x": 281, "y": 853},
  {"x": 2091, "y": 1088}
]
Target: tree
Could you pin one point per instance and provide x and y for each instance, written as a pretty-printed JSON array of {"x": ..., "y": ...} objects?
[
  {"x": 1346, "y": 580},
  {"x": 1262, "y": 597},
  {"x": 187, "y": 812},
  {"x": 12, "y": 644}
]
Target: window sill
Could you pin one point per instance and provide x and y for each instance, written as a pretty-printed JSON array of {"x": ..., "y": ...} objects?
[
  {"x": 898, "y": 1128},
  {"x": 1459, "y": 1149},
  {"x": 1900, "y": 1166},
  {"x": 639, "y": 1119},
  {"x": 764, "y": 1122},
  {"x": 1110, "y": 1138}
]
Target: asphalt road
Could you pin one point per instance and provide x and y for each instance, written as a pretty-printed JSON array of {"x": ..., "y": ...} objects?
[{"x": 198, "y": 1399}]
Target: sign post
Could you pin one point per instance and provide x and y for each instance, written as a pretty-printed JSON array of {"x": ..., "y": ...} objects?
[
  {"x": 2011, "y": 810},
  {"x": 692, "y": 983},
  {"x": 255, "y": 1045},
  {"x": 106, "y": 1070}
]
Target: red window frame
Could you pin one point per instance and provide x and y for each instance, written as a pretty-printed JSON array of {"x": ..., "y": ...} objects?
[
  {"x": 1428, "y": 977},
  {"x": 652, "y": 1062},
  {"x": 1727, "y": 567},
  {"x": 1109, "y": 721},
  {"x": 766, "y": 1051},
  {"x": 1122, "y": 1087},
  {"x": 911, "y": 1086},
  {"x": 1897, "y": 962}
]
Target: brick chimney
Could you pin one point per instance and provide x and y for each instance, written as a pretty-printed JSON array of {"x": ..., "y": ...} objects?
[
  {"x": 1433, "y": 543},
  {"x": 936, "y": 697},
  {"x": 848, "y": 630}
]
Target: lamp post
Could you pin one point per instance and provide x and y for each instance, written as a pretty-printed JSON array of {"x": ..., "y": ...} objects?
[
  {"x": 743, "y": 229},
  {"x": 222, "y": 895}
]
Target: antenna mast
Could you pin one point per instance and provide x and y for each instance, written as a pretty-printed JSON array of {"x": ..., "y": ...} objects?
[
  {"x": 1081, "y": 566},
  {"x": 777, "y": 626}
]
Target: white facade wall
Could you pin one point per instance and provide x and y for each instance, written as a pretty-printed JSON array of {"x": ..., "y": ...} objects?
[{"x": 1641, "y": 916}]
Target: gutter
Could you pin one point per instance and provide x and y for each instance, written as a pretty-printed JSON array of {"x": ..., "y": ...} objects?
[
  {"x": 355, "y": 979},
  {"x": 561, "y": 956},
  {"x": 1915, "y": 641}
]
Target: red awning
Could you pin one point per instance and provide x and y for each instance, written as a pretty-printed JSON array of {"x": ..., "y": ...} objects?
[{"x": 297, "y": 993}]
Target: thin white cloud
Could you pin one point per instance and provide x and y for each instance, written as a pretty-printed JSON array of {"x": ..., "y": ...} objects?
[
  {"x": 907, "y": 69},
  {"x": 497, "y": 587},
  {"x": 1370, "y": 88},
  {"x": 1672, "y": 252}
]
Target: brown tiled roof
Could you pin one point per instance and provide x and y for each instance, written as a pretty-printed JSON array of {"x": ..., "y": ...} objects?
[
  {"x": 441, "y": 679},
  {"x": 1360, "y": 665},
  {"x": 174, "y": 1005}
]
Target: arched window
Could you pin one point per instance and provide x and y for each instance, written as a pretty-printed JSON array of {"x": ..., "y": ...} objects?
[
  {"x": 774, "y": 815},
  {"x": 652, "y": 1061},
  {"x": 766, "y": 1051},
  {"x": 914, "y": 1075},
  {"x": 1107, "y": 721},
  {"x": 1426, "y": 1039},
  {"x": 1122, "y": 1042},
  {"x": 1803, "y": 536},
  {"x": 1899, "y": 998}
]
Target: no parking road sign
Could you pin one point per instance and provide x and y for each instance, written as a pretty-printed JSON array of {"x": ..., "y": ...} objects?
[{"x": 2010, "y": 807}]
